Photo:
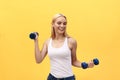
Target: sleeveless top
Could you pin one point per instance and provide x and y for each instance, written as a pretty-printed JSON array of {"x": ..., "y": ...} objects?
[{"x": 60, "y": 60}]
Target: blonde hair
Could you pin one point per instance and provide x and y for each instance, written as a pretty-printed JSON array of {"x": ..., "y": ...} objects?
[{"x": 53, "y": 20}]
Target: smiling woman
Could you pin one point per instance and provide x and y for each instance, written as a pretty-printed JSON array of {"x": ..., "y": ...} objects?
[
  {"x": 95, "y": 24},
  {"x": 61, "y": 50}
]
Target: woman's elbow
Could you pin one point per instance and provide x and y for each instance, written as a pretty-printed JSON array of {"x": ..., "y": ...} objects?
[
  {"x": 73, "y": 63},
  {"x": 38, "y": 61}
]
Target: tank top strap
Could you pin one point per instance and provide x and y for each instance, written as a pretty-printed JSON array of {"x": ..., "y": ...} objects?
[{"x": 66, "y": 42}]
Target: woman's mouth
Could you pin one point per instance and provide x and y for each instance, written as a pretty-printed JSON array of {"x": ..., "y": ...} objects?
[{"x": 61, "y": 29}]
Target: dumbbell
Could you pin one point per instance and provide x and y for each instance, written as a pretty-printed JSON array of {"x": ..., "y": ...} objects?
[
  {"x": 96, "y": 61},
  {"x": 33, "y": 35},
  {"x": 85, "y": 65}
]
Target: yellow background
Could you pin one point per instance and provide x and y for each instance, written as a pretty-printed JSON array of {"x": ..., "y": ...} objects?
[{"x": 95, "y": 24}]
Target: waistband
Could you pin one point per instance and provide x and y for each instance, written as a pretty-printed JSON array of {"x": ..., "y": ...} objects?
[{"x": 51, "y": 77}]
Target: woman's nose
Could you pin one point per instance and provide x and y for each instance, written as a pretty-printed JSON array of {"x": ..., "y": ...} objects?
[{"x": 62, "y": 25}]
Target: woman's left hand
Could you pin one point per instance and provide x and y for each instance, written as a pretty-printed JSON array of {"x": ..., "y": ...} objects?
[{"x": 90, "y": 64}]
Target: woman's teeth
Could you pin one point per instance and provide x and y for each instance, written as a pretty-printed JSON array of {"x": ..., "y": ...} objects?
[{"x": 61, "y": 29}]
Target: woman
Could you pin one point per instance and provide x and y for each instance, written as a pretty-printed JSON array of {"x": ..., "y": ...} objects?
[{"x": 61, "y": 50}]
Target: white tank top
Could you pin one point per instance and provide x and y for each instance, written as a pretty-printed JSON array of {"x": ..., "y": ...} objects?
[{"x": 60, "y": 60}]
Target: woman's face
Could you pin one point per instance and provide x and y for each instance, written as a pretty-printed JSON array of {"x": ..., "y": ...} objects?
[{"x": 60, "y": 25}]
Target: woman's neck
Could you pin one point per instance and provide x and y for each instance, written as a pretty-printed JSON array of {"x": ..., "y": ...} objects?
[{"x": 59, "y": 37}]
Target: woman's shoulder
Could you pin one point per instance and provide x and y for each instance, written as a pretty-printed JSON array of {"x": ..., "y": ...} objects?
[
  {"x": 72, "y": 40},
  {"x": 47, "y": 40}
]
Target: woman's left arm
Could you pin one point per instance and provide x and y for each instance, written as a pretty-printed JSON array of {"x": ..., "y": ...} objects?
[
  {"x": 75, "y": 61},
  {"x": 73, "y": 47}
]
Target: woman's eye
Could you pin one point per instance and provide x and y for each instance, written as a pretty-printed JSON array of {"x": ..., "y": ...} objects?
[
  {"x": 64, "y": 23},
  {"x": 58, "y": 23}
]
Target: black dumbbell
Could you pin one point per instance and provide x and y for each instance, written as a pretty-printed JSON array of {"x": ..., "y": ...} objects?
[
  {"x": 33, "y": 35},
  {"x": 96, "y": 61},
  {"x": 84, "y": 65}
]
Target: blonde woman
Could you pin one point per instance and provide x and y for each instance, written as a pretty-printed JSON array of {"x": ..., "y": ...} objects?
[{"x": 61, "y": 50}]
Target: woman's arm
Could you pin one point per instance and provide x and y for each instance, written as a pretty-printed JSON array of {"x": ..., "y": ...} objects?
[
  {"x": 73, "y": 47},
  {"x": 40, "y": 54},
  {"x": 76, "y": 62}
]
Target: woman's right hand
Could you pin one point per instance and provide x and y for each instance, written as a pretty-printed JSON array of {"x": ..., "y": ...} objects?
[{"x": 36, "y": 37}]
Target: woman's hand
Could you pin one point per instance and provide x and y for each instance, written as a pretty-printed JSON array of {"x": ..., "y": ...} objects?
[
  {"x": 36, "y": 37},
  {"x": 90, "y": 64}
]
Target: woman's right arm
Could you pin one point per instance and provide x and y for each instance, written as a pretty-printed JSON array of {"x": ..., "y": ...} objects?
[{"x": 40, "y": 54}]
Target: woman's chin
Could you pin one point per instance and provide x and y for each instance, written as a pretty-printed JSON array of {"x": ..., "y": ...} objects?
[{"x": 61, "y": 32}]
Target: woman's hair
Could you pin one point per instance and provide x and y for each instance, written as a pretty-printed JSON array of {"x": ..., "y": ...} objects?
[{"x": 53, "y": 20}]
